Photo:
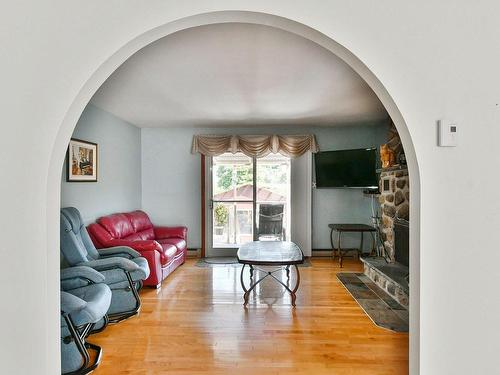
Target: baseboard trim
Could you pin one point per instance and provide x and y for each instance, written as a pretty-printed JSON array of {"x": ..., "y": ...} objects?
[
  {"x": 319, "y": 253},
  {"x": 196, "y": 253},
  {"x": 316, "y": 253},
  {"x": 193, "y": 253},
  {"x": 322, "y": 253}
]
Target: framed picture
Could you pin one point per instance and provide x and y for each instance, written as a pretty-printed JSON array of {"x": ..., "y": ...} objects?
[{"x": 82, "y": 161}]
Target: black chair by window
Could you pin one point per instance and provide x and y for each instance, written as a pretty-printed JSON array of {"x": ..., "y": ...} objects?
[{"x": 271, "y": 222}]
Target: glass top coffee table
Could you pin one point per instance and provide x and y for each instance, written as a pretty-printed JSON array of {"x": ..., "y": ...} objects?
[{"x": 278, "y": 254}]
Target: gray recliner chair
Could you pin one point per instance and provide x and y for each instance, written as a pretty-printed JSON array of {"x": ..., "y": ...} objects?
[
  {"x": 123, "y": 268},
  {"x": 85, "y": 300}
]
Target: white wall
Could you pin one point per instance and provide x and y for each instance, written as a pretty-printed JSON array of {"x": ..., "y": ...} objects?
[
  {"x": 435, "y": 59},
  {"x": 118, "y": 186},
  {"x": 301, "y": 202},
  {"x": 171, "y": 177}
]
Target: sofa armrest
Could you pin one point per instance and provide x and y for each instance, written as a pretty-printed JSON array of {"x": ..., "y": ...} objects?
[
  {"x": 112, "y": 263},
  {"x": 169, "y": 232},
  {"x": 154, "y": 259},
  {"x": 118, "y": 251}
]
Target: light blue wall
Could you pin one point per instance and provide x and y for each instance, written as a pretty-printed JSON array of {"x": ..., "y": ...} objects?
[
  {"x": 118, "y": 188},
  {"x": 171, "y": 180},
  {"x": 343, "y": 205},
  {"x": 171, "y": 177}
]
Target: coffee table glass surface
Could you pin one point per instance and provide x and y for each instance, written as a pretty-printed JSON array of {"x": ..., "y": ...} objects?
[{"x": 270, "y": 253}]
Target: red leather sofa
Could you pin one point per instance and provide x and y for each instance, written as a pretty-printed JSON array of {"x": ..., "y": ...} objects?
[{"x": 165, "y": 248}]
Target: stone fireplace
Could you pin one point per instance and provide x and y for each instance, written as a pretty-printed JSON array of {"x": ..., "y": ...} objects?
[
  {"x": 390, "y": 272},
  {"x": 394, "y": 203}
]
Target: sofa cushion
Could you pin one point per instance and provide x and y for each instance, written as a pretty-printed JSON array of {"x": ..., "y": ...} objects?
[
  {"x": 147, "y": 234},
  {"x": 179, "y": 243},
  {"x": 140, "y": 221},
  {"x": 118, "y": 225},
  {"x": 99, "y": 235},
  {"x": 133, "y": 237}
]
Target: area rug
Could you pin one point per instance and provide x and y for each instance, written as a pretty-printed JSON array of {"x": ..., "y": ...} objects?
[
  {"x": 231, "y": 262},
  {"x": 218, "y": 261},
  {"x": 383, "y": 310}
]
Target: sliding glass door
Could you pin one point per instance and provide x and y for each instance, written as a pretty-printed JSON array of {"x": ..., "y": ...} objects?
[
  {"x": 272, "y": 216},
  {"x": 249, "y": 199},
  {"x": 232, "y": 200}
]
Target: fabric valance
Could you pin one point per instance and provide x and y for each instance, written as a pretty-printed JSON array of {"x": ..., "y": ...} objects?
[{"x": 254, "y": 145}]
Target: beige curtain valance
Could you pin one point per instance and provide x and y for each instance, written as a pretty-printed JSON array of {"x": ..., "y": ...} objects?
[{"x": 254, "y": 145}]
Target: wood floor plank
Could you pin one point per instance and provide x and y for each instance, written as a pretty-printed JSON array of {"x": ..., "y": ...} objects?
[{"x": 196, "y": 324}]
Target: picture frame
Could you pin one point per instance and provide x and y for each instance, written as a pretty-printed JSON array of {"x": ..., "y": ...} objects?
[{"x": 82, "y": 161}]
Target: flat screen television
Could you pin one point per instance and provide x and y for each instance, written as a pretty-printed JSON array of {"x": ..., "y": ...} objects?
[{"x": 346, "y": 169}]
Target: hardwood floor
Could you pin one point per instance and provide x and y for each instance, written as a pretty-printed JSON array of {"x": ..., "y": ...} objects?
[{"x": 196, "y": 324}]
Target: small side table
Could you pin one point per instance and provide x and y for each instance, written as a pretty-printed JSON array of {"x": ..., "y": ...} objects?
[{"x": 358, "y": 228}]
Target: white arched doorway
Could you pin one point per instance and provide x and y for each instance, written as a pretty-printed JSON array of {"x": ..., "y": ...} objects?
[{"x": 120, "y": 56}]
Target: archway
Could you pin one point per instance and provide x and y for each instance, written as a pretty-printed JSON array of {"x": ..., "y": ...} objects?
[{"x": 120, "y": 56}]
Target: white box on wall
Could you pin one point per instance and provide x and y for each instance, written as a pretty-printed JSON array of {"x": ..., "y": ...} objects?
[{"x": 447, "y": 134}]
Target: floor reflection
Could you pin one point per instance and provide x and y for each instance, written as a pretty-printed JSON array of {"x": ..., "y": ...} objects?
[{"x": 196, "y": 324}]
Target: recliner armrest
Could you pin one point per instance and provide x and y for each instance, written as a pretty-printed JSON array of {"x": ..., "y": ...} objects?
[
  {"x": 71, "y": 304},
  {"x": 76, "y": 277},
  {"x": 169, "y": 232},
  {"x": 112, "y": 263},
  {"x": 118, "y": 251}
]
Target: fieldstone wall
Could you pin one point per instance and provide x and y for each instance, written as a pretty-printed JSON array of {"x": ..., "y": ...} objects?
[
  {"x": 395, "y": 290},
  {"x": 394, "y": 201}
]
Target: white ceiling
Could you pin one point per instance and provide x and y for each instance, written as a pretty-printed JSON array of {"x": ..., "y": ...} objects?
[{"x": 237, "y": 75}]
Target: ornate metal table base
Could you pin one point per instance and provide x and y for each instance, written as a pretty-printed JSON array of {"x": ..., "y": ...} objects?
[
  {"x": 267, "y": 273},
  {"x": 274, "y": 254}
]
